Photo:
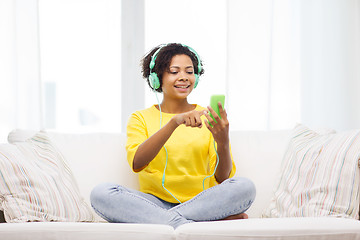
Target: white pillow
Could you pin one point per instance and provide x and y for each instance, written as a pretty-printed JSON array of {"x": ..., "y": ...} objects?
[
  {"x": 319, "y": 176},
  {"x": 36, "y": 184}
]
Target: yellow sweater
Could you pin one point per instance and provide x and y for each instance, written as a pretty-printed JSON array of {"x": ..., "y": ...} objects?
[{"x": 191, "y": 156}]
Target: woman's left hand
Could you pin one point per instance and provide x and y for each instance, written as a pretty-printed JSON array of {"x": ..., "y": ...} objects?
[{"x": 220, "y": 128}]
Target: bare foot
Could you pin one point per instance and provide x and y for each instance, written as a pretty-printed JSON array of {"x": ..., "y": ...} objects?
[{"x": 237, "y": 216}]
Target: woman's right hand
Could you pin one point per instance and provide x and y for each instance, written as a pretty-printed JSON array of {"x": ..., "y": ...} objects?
[
  {"x": 190, "y": 119},
  {"x": 147, "y": 151}
]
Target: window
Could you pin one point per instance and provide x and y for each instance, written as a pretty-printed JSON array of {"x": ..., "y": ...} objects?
[{"x": 80, "y": 48}]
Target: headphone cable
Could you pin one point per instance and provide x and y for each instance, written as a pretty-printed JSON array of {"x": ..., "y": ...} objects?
[
  {"x": 166, "y": 152},
  {"x": 167, "y": 158}
]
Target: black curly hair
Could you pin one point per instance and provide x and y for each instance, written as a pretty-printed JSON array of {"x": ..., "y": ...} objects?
[{"x": 163, "y": 59}]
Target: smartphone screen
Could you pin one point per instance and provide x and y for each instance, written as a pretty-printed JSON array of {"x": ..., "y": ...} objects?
[{"x": 214, "y": 103}]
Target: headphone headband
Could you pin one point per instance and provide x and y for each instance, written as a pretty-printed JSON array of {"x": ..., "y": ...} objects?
[
  {"x": 154, "y": 79},
  {"x": 154, "y": 56},
  {"x": 197, "y": 56}
]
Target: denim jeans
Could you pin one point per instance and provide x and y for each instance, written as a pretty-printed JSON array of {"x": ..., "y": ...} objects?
[{"x": 116, "y": 203}]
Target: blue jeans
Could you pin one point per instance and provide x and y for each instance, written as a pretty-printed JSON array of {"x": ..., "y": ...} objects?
[{"x": 116, "y": 203}]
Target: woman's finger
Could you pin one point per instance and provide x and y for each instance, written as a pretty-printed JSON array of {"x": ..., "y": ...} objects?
[
  {"x": 198, "y": 121},
  {"x": 214, "y": 114},
  {"x": 222, "y": 111},
  {"x": 210, "y": 120},
  {"x": 207, "y": 124}
]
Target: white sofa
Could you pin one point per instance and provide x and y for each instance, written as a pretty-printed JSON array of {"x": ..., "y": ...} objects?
[{"x": 101, "y": 157}]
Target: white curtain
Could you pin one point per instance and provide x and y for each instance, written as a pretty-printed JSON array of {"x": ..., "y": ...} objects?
[
  {"x": 263, "y": 60},
  {"x": 294, "y": 61},
  {"x": 330, "y": 63},
  {"x": 20, "y": 88}
]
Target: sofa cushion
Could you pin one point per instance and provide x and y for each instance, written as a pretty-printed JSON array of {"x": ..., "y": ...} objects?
[
  {"x": 36, "y": 183},
  {"x": 319, "y": 175},
  {"x": 311, "y": 228},
  {"x": 93, "y": 157},
  {"x": 85, "y": 231}
]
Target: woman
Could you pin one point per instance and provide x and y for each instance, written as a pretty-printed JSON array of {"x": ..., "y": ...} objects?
[{"x": 181, "y": 154}]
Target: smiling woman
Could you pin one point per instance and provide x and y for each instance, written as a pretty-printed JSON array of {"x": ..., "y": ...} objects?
[
  {"x": 180, "y": 61},
  {"x": 178, "y": 81},
  {"x": 200, "y": 167}
]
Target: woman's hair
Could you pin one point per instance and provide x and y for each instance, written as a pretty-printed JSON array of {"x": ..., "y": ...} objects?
[{"x": 163, "y": 59}]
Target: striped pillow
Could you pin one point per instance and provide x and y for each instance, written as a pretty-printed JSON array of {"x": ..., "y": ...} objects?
[
  {"x": 36, "y": 184},
  {"x": 319, "y": 176}
]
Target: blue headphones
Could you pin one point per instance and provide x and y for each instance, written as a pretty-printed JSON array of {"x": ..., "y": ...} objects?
[{"x": 153, "y": 77}]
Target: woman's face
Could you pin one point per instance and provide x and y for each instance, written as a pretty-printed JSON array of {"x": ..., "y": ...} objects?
[{"x": 178, "y": 81}]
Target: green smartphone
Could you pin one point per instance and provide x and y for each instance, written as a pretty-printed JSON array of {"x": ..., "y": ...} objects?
[{"x": 214, "y": 104}]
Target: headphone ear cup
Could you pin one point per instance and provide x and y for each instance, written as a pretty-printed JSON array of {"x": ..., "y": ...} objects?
[
  {"x": 154, "y": 81},
  {"x": 196, "y": 80}
]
